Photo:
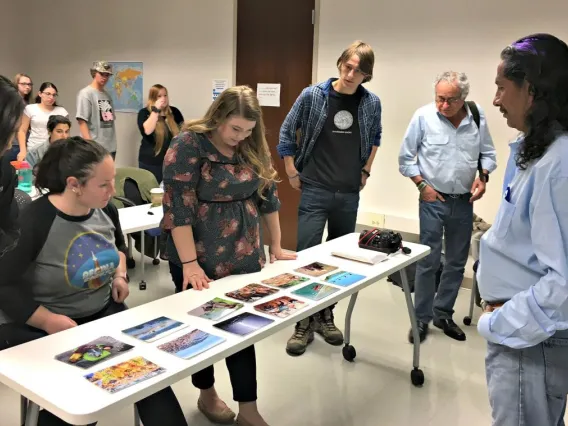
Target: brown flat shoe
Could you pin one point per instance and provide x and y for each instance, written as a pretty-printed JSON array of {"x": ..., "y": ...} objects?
[
  {"x": 242, "y": 422},
  {"x": 225, "y": 416}
]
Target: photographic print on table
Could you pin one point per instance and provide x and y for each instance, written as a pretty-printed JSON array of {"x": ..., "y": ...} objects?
[
  {"x": 281, "y": 307},
  {"x": 216, "y": 309},
  {"x": 251, "y": 293},
  {"x": 315, "y": 291},
  {"x": 155, "y": 329},
  {"x": 243, "y": 324},
  {"x": 191, "y": 344},
  {"x": 125, "y": 374},
  {"x": 90, "y": 354},
  {"x": 285, "y": 280},
  {"x": 316, "y": 269},
  {"x": 343, "y": 278}
]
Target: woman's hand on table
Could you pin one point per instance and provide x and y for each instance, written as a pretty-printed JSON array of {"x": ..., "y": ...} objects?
[
  {"x": 276, "y": 253},
  {"x": 195, "y": 276},
  {"x": 120, "y": 290},
  {"x": 54, "y": 323}
]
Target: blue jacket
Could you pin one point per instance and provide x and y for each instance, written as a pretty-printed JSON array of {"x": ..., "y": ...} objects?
[{"x": 309, "y": 114}]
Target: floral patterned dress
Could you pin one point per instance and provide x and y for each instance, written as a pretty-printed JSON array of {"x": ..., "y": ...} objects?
[{"x": 218, "y": 197}]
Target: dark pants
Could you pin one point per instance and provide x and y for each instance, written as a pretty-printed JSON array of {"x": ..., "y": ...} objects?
[
  {"x": 450, "y": 221},
  {"x": 318, "y": 206},
  {"x": 13, "y": 152},
  {"x": 161, "y": 408},
  {"x": 155, "y": 170},
  {"x": 241, "y": 365}
]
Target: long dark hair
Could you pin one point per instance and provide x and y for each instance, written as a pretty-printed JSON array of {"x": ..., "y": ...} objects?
[
  {"x": 44, "y": 86},
  {"x": 11, "y": 111},
  {"x": 542, "y": 61},
  {"x": 65, "y": 158}
]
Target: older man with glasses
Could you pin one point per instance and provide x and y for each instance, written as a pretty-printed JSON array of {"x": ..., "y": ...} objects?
[{"x": 445, "y": 144}]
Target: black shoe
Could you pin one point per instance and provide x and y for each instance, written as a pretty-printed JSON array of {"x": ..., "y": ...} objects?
[
  {"x": 422, "y": 332},
  {"x": 450, "y": 328}
]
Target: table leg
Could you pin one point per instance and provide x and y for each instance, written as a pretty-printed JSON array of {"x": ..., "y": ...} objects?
[
  {"x": 416, "y": 375},
  {"x": 142, "y": 284},
  {"x": 23, "y": 409},
  {"x": 32, "y": 414},
  {"x": 136, "y": 416},
  {"x": 349, "y": 352}
]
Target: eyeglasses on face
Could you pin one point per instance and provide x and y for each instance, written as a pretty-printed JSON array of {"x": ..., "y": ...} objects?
[
  {"x": 50, "y": 95},
  {"x": 441, "y": 100},
  {"x": 26, "y": 84}
]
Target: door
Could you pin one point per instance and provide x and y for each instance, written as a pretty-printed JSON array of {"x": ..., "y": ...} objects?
[{"x": 275, "y": 40}]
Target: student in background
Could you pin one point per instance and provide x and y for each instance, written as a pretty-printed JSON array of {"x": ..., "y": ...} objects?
[
  {"x": 159, "y": 122},
  {"x": 340, "y": 131},
  {"x": 41, "y": 293},
  {"x": 11, "y": 110},
  {"x": 25, "y": 86},
  {"x": 218, "y": 183},
  {"x": 95, "y": 111},
  {"x": 58, "y": 127},
  {"x": 36, "y": 116},
  {"x": 523, "y": 264}
]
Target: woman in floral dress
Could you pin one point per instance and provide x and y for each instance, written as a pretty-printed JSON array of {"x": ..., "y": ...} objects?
[{"x": 219, "y": 181}]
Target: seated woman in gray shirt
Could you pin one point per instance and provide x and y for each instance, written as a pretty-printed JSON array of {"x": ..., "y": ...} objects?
[
  {"x": 69, "y": 267},
  {"x": 58, "y": 127}
]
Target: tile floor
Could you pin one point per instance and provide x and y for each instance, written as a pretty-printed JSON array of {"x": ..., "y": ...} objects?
[{"x": 321, "y": 389}]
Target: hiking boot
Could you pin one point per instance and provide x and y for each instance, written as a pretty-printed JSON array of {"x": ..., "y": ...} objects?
[
  {"x": 302, "y": 337},
  {"x": 324, "y": 326}
]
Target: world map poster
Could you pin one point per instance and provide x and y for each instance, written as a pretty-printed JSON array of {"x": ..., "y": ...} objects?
[{"x": 126, "y": 86}]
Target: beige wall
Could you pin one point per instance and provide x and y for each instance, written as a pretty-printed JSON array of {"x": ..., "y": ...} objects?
[
  {"x": 173, "y": 38},
  {"x": 12, "y": 44},
  {"x": 413, "y": 42}
]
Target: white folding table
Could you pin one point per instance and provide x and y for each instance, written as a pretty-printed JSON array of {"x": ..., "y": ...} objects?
[{"x": 31, "y": 370}]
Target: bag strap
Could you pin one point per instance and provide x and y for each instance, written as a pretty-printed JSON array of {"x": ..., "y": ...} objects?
[{"x": 477, "y": 118}]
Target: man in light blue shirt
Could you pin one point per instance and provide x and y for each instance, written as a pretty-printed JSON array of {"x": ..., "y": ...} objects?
[
  {"x": 523, "y": 269},
  {"x": 440, "y": 154}
]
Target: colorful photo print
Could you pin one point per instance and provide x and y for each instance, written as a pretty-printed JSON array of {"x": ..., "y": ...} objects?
[
  {"x": 343, "y": 278},
  {"x": 281, "y": 307},
  {"x": 191, "y": 344},
  {"x": 243, "y": 324},
  {"x": 90, "y": 354},
  {"x": 251, "y": 293},
  {"x": 285, "y": 280},
  {"x": 315, "y": 291},
  {"x": 155, "y": 329},
  {"x": 316, "y": 269},
  {"x": 216, "y": 309}
]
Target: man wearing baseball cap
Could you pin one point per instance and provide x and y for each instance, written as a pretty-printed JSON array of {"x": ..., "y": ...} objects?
[{"x": 95, "y": 111}]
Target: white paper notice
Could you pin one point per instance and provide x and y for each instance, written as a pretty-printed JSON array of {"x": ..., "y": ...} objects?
[
  {"x": 219, "y": 85},
  {"x": 268, "y": 94}
]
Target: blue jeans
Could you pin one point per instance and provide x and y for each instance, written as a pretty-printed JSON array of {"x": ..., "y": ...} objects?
[
  {"x": 318, "y": 206},
  {"x": 528, "y": 387},
  {"x": 452, "y": 219}
]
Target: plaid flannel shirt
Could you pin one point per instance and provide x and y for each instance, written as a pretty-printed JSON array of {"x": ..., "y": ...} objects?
[{"x": 309, "y": 114}]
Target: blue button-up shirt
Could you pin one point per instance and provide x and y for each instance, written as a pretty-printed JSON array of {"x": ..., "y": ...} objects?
[
  {"x": 524, "y": 256},
  {"x": 511, "y": 169},
  {"x": 446, "y": 156}
]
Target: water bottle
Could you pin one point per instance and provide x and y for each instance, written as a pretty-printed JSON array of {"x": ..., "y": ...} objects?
[{"x": 25, "y": 177}]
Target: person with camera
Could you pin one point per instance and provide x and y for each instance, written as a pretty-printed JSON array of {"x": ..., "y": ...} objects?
[
  {"x": 440, "y": 153},
  {"x": 340, "y": 123}
]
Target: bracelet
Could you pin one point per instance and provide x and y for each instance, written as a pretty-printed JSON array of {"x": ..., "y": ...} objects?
[
  {"x": 295, "y": 176},
  {"x": 189, "y": 261},
  {"x": 365, "y": 172},
  {"x": 421, "y": 186}
]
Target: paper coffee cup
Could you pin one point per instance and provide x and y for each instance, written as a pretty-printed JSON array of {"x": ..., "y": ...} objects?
[{"x": 156, "y": 195}]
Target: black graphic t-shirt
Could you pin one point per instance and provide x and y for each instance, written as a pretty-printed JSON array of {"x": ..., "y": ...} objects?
[{"x": 335, "y": 163}]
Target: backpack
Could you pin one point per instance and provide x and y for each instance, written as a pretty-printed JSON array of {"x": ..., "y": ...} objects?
[{"x": 477, "y": 118}]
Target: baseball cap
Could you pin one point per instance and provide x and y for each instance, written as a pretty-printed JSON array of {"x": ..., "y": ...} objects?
[{"x": 102, "y": 66}]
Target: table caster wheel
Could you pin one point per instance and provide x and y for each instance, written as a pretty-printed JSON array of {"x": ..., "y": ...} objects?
[
  {"x": 130, "y": 263},
  {"x": 417, "y": 377},
  {"x": 156, "y": 262},
  {"x": 142, "y": 285},
  {"x": 349, "y": 353},
  {"x": 467, "y": 320}
]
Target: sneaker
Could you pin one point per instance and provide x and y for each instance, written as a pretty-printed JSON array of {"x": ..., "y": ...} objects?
[
  {"x": 302, "y": 337},
  {"x": 323, "y": 325}
]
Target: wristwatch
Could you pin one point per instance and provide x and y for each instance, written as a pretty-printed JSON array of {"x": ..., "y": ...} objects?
[
  {"x": 154, "y": 109},
  {"x": 365, "y": 172},
  {"x": 484, "y": 177}
]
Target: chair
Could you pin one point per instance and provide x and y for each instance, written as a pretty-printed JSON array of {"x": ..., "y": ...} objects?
[{"x": 475, "y": 297}]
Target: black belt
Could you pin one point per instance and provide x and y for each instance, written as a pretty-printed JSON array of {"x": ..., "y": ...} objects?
[
  {"x": 201, "y": 200},
  {"x": 467, "y": 195}
]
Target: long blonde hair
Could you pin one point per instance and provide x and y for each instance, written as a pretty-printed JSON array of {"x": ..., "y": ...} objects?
[
  {"x": 169, "y": 121},
  {"x": 241, "y": 101}
]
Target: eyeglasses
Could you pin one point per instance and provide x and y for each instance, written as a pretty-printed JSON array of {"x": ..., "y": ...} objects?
[
  {"x": 449, "y": 101},
  {"x": 348, "y": 68},
  {"x": 26, "y": 84},
  {"x": 50, "y": 95}
]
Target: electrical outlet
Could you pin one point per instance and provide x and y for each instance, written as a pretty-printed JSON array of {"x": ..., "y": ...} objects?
[{"x": 375, "y": 220}]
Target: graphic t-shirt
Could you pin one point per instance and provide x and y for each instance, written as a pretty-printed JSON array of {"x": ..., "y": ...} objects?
[
  {"x": 97, "y": 109},
  {"x": 65, "y": 263},
  {"x": 38, "y": 123},
  {"x": 335, "y": 163}
]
